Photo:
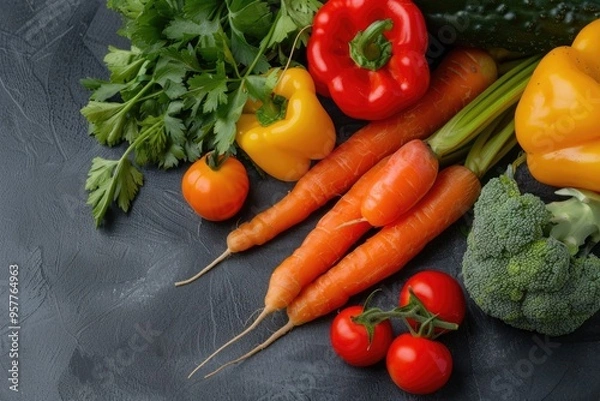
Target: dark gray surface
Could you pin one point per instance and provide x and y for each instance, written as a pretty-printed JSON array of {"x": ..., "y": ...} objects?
[{"x": 100, "y": 318}]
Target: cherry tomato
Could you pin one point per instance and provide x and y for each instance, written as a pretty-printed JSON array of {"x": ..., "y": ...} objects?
[
  {"x": 418, "y": 365},
  {"x": 441, "y": 294},
  {"x": 350, "y": 340},
  {"x": 216, "y": 194}
]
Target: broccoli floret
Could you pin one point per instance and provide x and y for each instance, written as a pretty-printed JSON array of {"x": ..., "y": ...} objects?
[
  {"x": 506, "y": 219},
  {"x": 563, "y": 311},
  {"x": 523, "y": 263}
]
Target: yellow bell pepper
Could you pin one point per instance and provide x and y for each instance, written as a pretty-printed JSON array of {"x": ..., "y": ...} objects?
[
  {"x": 557, "y": 121},
  {"x": 285, "y": 148}
]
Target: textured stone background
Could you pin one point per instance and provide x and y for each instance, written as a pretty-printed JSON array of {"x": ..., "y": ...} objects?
[{"x": 100, "y": 317}]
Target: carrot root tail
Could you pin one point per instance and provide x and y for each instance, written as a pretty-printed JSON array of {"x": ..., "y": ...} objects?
[
  {"x": 202, "y": 272},
  {"x": 274, "y": 337},
  {"x": 259, "y": 318}
]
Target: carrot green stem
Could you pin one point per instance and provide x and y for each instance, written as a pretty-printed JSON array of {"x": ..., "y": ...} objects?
[
  {"x": 492, "y": 144},
  {"x": 469, "y": 122}
]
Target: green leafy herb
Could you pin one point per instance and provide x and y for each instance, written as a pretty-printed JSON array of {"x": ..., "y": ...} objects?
[{"x": 180, "y": 88}]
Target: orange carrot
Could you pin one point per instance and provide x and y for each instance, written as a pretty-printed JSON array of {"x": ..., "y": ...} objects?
[
  {"x": 386, "y": 252},
  {"x": 460, "y": 77},
  {"x": 407, "y": 176},
  {"x": 321, "y": 248},
  {"x": 383, "y": 254}
]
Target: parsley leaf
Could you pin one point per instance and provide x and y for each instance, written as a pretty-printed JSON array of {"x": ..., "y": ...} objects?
[
  {"x": 106, "y": 120},
  {"x": 253, "y": 18},
  {"x": 261, "y": 86},
  {"x": 124, "y": 65},
  {"x": 179, "y": 89},
  {"x": 208, "y": 90},
  {"x": 200, "y": 10},
  {"x": 227, "y": 117},
  {"x": 109, "y": 181}
]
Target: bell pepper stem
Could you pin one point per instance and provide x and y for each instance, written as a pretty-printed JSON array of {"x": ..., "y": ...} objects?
[
  {"x": 370, "y": 49},
  {"x": 272, "y": 110}
]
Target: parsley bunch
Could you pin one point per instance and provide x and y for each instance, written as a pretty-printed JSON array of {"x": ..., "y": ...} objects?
[{"x": 180, "y": 88}]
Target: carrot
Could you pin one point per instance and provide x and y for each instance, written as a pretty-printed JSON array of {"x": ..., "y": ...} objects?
[
  {"x": 386, "y": 252},
  {"x": 460, "y": 77},
  {"x": 383, "y": 254},
  {"x": 407, "y": 176},
  {"x": 475, "y": 127},
  {"x": 321, "y": 248}
]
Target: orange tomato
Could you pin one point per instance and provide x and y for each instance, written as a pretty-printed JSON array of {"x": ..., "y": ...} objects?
[{"x": 218, "y": 193}]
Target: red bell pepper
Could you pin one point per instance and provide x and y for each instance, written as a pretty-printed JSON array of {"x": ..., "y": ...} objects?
[{"x": 368, "y": 56}]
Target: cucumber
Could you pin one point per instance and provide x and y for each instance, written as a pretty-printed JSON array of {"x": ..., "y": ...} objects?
[{"x": 521, "y": 26}]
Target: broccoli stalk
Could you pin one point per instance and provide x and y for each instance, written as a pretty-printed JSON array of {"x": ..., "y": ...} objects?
[
  {"x": 576, "y": 221},
  {"x": 528, "y": 262}
]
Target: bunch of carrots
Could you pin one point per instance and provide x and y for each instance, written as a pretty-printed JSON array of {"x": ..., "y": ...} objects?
[{"x": 407, "y": 164}]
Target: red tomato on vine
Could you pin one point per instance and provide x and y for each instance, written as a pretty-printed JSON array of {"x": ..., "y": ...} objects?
[
  {"x": 439, "y": 292},
  {"x": 418, "y": 365},
  {"x": 350, "y": 340}
]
